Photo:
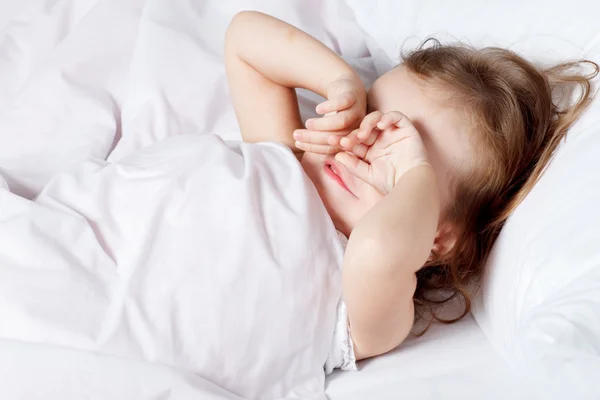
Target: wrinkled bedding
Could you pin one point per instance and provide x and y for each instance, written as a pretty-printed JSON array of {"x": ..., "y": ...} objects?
[
  {"x": 83, "y": 82},
  {"x": 216, "y": 258},
  {"x": 121, "y": 240}
]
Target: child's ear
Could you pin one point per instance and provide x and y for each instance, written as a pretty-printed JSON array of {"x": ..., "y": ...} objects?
[{"x": 444, "y": 241}]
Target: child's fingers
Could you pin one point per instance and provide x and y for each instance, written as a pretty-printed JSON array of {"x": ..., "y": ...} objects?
[
  {"x": 367, "y": 136},
  {"x": 316, "y": 148},
  {"x": 351, "y": 145},
  {"x": 372, "y": 137},
  {"x": 314, "y": 137},
  {"x": 393, "y": 118},
  {"x": 360, "y": 150},
  {"x": 362, "y": 136},
  {"x": 355, "y": 165},
  {"x": 368, "y": 124},
  {"x": 338, "y": 103},
  {"x": 371, "y": 120},
  {"x": 349, "y": 141},
  {"x": 334, "y": 140},
  {"x": 386, "y": 121},
  {"x": 337, "y": 122}
]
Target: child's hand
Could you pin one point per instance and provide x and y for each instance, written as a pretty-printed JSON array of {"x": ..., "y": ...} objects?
[
  {"x": 382, "y": 149},
  {"x": 343, "y": 111}
]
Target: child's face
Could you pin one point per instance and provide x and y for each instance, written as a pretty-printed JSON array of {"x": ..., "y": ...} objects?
[{"x": 442, "y": 125}]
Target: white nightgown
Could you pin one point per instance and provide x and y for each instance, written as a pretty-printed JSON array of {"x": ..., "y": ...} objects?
[{"x": 341, "y": 354}]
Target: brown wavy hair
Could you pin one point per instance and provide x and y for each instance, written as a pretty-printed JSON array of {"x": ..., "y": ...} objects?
[{"x": 516, "y": 128}]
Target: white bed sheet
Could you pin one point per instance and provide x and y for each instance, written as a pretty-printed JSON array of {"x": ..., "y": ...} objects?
[
  {"x": 448, "y": 362},
  {"x": 97, "y": 57}
]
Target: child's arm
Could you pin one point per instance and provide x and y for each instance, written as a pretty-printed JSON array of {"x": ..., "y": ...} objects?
[
  {"x": 394, "y": 239},
  {"x": 265, "y": 60},
  {"x": 384, "y": 252}
]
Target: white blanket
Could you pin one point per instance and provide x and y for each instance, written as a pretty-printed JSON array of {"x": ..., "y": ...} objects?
[
  {"x": 217, "y": 258},
  {"x": 82, "y": 266}
]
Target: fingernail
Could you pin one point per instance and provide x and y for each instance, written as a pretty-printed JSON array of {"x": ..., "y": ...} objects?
[
  {"x": 318, "y": 109},
  {"x": 297, "y": 135},
  {"x": 297, "y": 144}
]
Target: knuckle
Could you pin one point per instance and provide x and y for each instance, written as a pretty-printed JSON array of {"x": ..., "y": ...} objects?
[
  {"x": 375, "y": 117},
  {"x": 327, "y": 125},
  {"x": 396, "y": 116},
  {"x": 321, "y": 125},
  {"x": 339, "y": 123},
  {"x": 366, "y": 124},
  {"x": 347, "y": 119},
  {"x": 347, "y": 99}
]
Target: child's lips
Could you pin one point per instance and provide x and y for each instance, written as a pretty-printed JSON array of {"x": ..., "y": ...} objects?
[{"x": 334, "y": 172}]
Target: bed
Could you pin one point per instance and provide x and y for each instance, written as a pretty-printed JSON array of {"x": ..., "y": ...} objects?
[
  {"x": 451, "y": 362},
  {"x": 99, "y": 79}
]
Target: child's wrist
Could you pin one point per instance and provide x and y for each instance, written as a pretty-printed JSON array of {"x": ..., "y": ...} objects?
[
  {"x": 348, "y": 79},
  {"x": 415, "y": 164}
]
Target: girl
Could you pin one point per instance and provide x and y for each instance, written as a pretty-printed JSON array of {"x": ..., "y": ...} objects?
[{"x": 454, "y": 139}]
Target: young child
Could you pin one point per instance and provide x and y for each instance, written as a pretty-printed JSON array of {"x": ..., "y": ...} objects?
[{"x": 454, "y": 139}]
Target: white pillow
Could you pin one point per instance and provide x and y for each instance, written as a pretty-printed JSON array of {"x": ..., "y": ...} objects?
[
  {"x": 543, "y": 30},
  {"x": 540, "y": 298}
]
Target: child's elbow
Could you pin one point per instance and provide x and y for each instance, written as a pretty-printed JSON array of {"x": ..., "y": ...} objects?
[
  {"x": 242, "y": 18},
  {"x": 380, "y": 344},
  {"x": 236, "y": 24}
]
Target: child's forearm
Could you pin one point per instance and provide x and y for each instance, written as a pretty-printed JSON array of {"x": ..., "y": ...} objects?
[
  {"x": 404, "y": 222},
  {"x": 385, "y": 250},
  {"x": 266, "y": 59},
  {"x": 284, "y": 54}
]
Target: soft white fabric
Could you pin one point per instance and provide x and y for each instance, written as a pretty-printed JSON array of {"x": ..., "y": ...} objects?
[
  {"x": 63, "y": 78},
  {"x": 41, "y": 372},
  {"x": 540, "y": 298},
  {"x": 180, "y": 69},
  {"x": 76, "y": 77},
  {"x": 341, "y": 354},
  {"x": 546, "y": 31},
  {"x": 450, "y": 362},
  {"x": 180, "y": 254},
  {"x": 69, "y": 67},
  {"x": 70, "y": 87}
]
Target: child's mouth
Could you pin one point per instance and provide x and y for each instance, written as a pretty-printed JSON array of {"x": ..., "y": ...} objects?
[{"x": 332, "y": 171}]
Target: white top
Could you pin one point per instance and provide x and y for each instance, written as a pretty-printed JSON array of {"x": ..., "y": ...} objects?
[{"x": 341, "y": 354}]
